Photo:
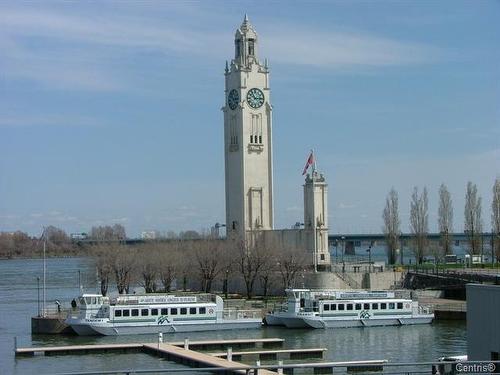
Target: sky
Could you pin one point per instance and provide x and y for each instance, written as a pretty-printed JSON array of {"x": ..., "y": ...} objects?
[{"x": 110, "y": 111}]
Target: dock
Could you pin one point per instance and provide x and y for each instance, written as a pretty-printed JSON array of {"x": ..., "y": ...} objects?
[
  {"x": 276, "y": 354},
  {"x": 184, "y": 353},
  {"x": 103, "y": 348},
  {"x": 197, "y": 359}
]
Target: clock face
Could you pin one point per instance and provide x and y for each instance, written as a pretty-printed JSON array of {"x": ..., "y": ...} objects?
[
  {"x": 255, "y": 98},
  {"x": 233, "y": 99}
]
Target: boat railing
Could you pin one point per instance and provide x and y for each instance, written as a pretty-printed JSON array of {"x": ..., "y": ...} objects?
[
  {"x": 241, "y": 314},
  {"x": 423, "y": 310},
  {"x": 55, "y": 311}
]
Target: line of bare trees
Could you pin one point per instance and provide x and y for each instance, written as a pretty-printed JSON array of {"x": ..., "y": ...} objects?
[
  {"x": 419, "y": 222},
  {"x": 202, "y": 265},
  {"x": 20, "y": 245}
]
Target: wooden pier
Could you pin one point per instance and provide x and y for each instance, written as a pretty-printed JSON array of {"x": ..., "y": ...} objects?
[
  {"x": 181, "y": 352},
  {"x": 276, "y": 354},
  {"x": 196, "y": 359},
  {"x": 184, "y": 353},
  {"x": 205, "y": 345}
]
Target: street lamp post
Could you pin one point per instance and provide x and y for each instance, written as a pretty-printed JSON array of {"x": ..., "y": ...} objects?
[
  {"x": 38, "y": 290},
  {"x": 369, "y": 258},
  {"x": 343, "y": 248}
]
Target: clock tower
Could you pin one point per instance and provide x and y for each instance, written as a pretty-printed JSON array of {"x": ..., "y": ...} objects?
[{"x": 247, "y": 138}]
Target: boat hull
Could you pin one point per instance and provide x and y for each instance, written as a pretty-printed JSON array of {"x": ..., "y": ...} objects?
[
  {"x": 109, "y": 329},
  {"x": 283, "y": 319},
  {"x": 322, "y": 323}
]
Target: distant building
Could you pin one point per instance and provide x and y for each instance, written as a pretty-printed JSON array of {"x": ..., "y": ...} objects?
[
  {"x": 483, "y": 322},
  {"x": 150, "y": 235},
  {"x": 79, "y": 236}
]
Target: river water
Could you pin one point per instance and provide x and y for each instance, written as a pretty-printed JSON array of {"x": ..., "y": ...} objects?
[{"x": 19, "y": 301}]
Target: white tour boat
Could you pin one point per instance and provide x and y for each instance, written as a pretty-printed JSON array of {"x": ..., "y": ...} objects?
[
  {"x": 155, "y": 313},
  {"x": 306, "y": 308}
]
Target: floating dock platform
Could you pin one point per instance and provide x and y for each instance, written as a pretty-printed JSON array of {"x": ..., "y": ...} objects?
[{"x": 184, "y": 353}]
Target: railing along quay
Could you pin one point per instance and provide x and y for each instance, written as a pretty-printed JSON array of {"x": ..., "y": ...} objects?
[{"x": 378, "y": 366}]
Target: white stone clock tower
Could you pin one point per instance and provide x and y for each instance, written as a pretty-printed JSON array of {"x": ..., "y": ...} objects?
[{"x": 248, "y": 138}]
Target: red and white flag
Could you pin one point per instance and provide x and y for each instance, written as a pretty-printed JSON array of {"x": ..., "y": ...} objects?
[{"x": 309, "y": 162}]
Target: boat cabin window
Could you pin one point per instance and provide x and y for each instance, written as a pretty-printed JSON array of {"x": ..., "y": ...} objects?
[
  {"x": 126, "y": 312},
  {"x": 184, "y": 310},
  {"x": 326, "y": 307},
  {"x": 144, "y": 312},
  {"x": 154, "y": 312},
  {"x": 302, "y": 302},
  {"x": 203, "y": 310},
  {"x": 366, "y": 306},
  {"x": 391, "y": 305},
  {"x": 349, "y": 306},
  {"x": 135, "y": 312},
  {"x": 173, "y": 311},
  {"x": 118, "y": 313},
  {"x": 383, "y": 306},
  {"x": 341, "y": 306},
  {"x": 192, "y": 310},
  {"x": 358, "y": 306},
  {"x": 400, "y": 305},
  {"x": 374, "y": 306},
  {"x": 164, "y": 311},
  {"x": 333, "y": 307}
]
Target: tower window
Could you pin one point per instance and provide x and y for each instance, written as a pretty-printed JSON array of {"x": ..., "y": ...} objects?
[
  {"x": 233, "y": 131},
  {"x": 256, "y": 129},
  {"x": 237, "y": 45},
  {"x": 251, "y": 47}
]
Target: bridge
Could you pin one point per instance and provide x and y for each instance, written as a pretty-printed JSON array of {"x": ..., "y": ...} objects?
[
  {"x": 350, "y": 241},
  {"x": 451, "y": 281}
]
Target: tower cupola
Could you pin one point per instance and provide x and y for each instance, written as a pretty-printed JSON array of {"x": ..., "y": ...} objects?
[{"x": 245, "y": 44}]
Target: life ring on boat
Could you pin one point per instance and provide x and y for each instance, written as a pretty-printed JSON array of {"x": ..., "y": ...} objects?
[
  {"x": 407, "y": 305},
  {"x": 211, "y": 311}
]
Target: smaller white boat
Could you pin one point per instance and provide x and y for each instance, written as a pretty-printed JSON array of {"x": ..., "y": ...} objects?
[
  {"x": 336, "y": 309},
  {"x": 155, "y": 313}
]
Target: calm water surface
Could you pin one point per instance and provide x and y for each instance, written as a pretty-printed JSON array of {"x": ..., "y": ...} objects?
[{"x": 18, "y": 302}]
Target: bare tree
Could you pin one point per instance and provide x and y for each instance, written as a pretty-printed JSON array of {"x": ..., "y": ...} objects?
[
  {"x": 104, "y": 263},
  {"x": 495, "y": 219},
  {"x": 419, "y": 222},
  {"x": 391, "y": 226},
  {"x": 445, "y": 219},
  {"x": 169, "y": 263},
  {"x": 290, "y": 263},
  {"x": 123, "y": 267},
  {"x": 147, "y": 267},
  {"x": 473, "y": 223},
  {"x": 108, "y": 233},
  {"x": 253, "y": 256},
  {"x": 208, "y": 258}
]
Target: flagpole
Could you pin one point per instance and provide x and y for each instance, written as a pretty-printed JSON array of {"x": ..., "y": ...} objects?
[{"x": 314, "y": 213}]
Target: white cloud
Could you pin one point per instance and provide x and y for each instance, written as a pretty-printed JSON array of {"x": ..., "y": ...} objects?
[
  {"x": 346, "y": 205},
  {"x": 120, "y": 220},
  {"x": 19, "y": 120},
  {"x": 64, "y": 48},
  {"x": 341, "y": 50}
]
